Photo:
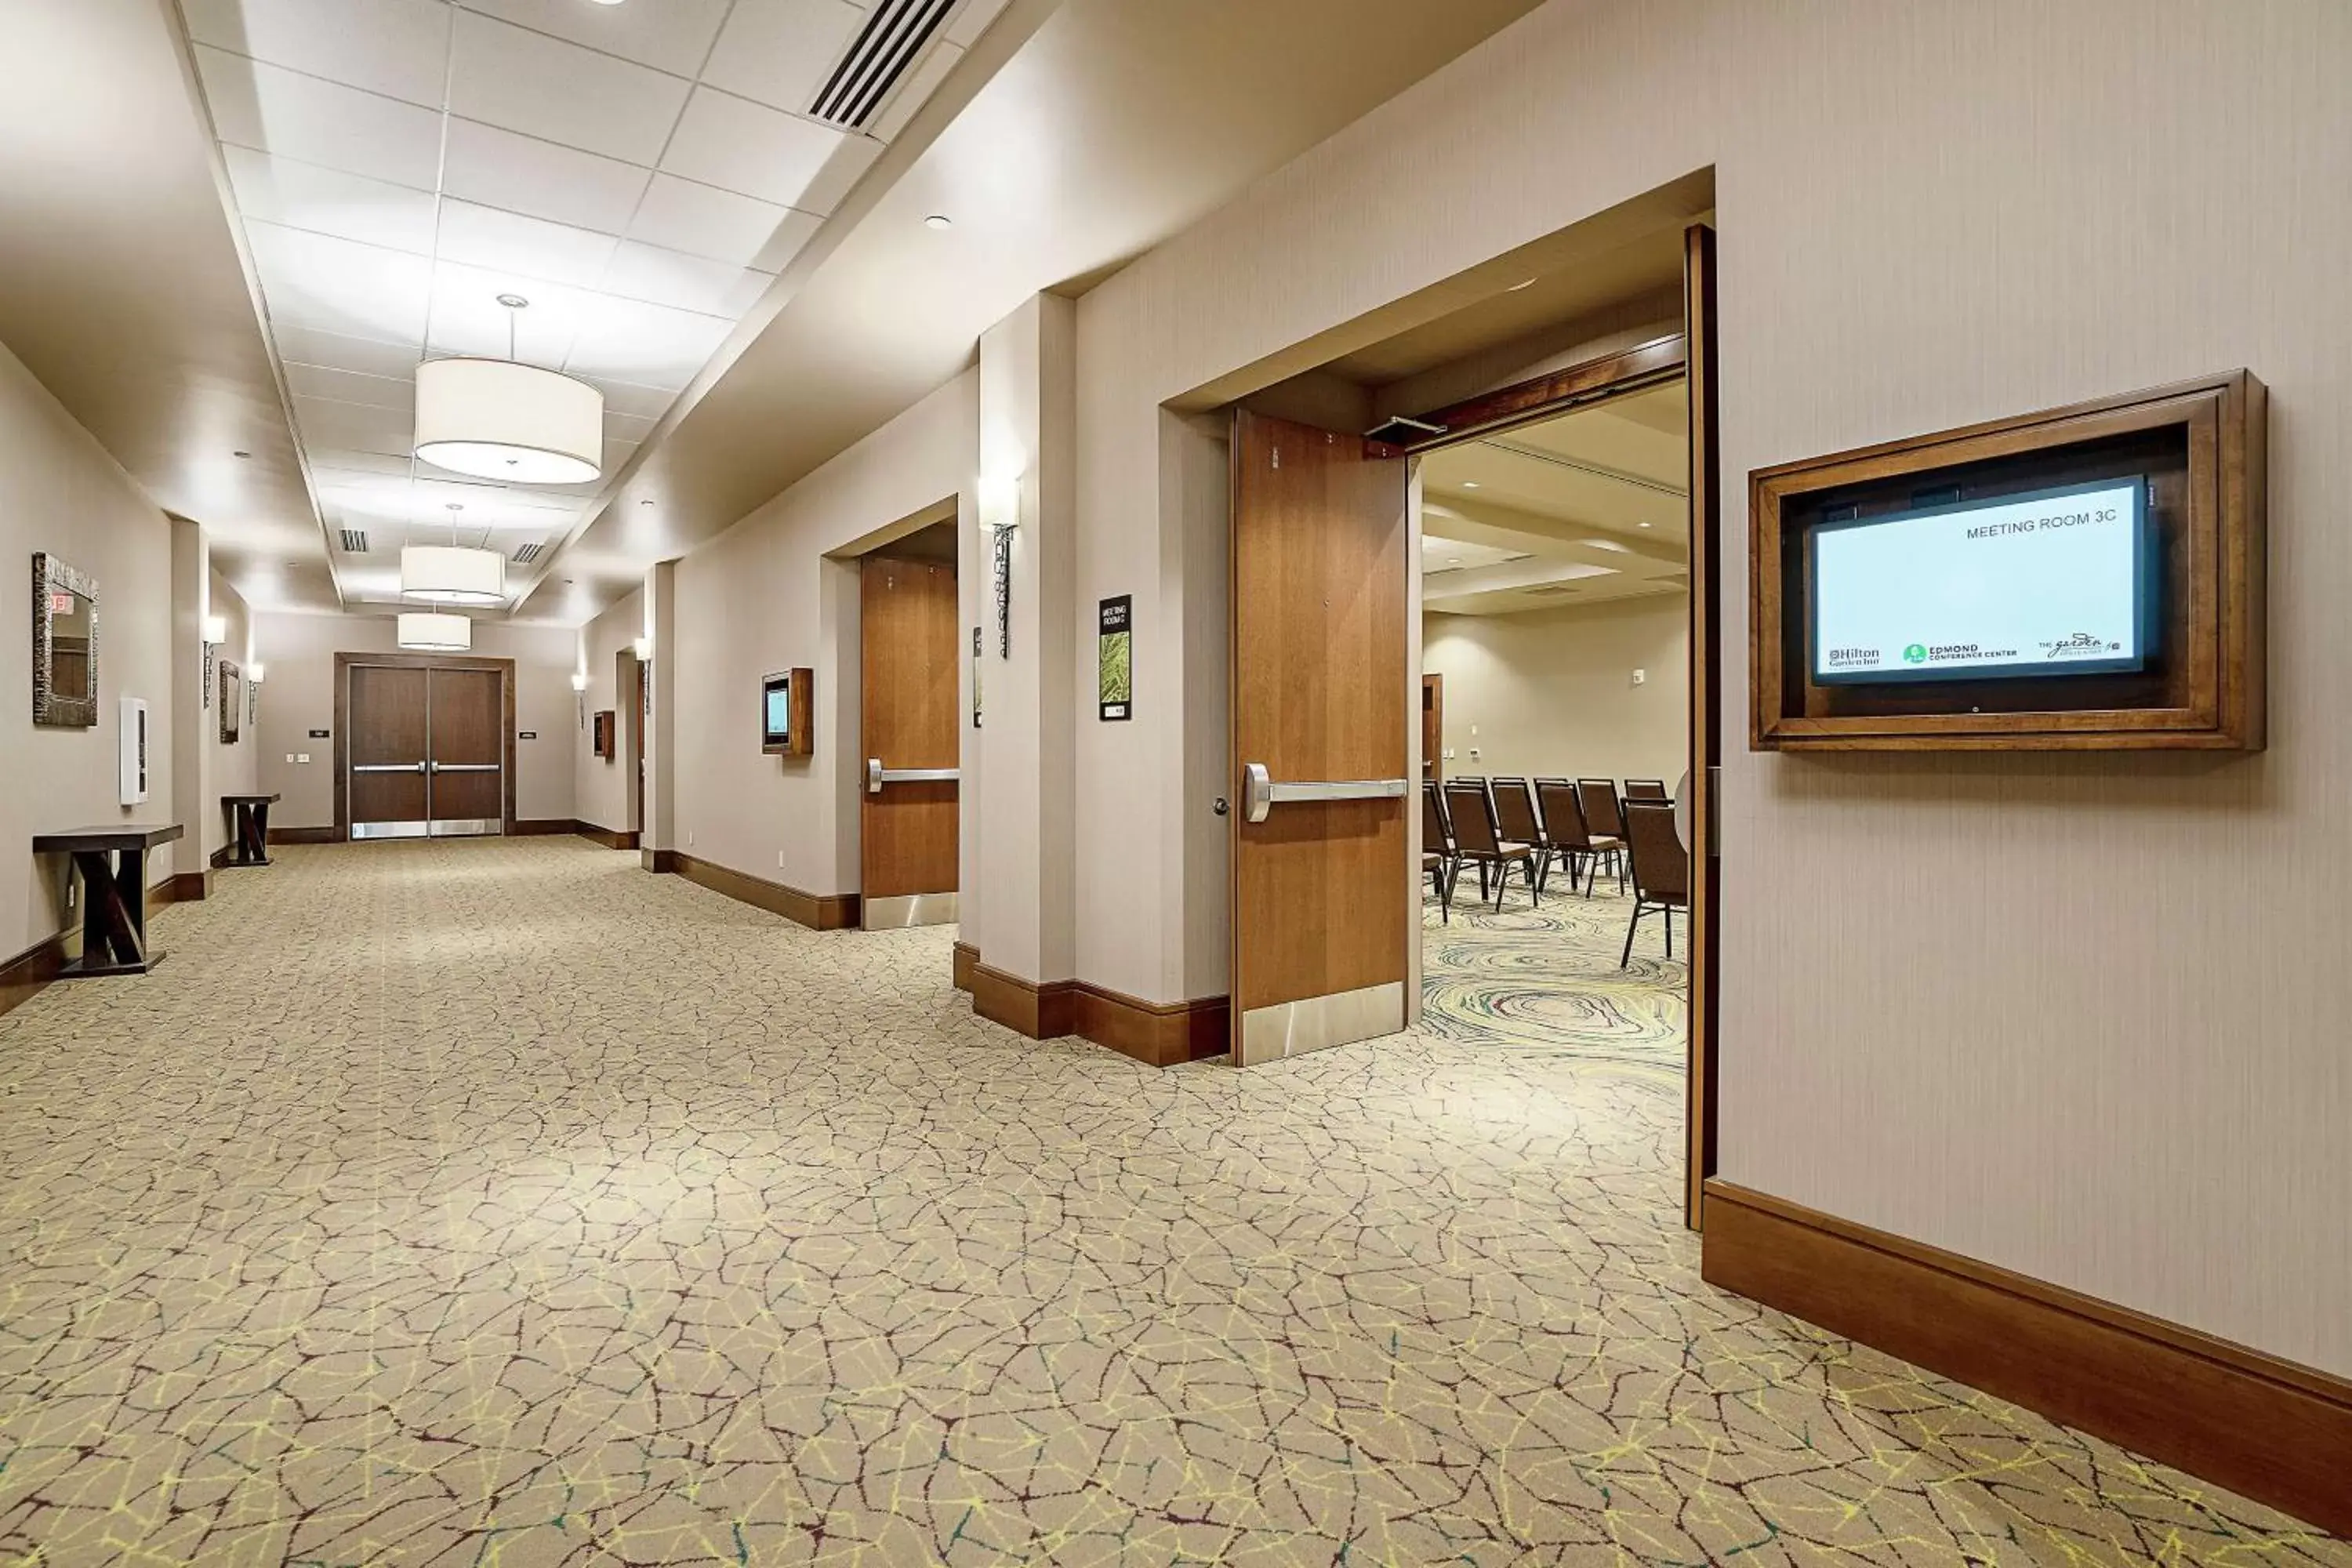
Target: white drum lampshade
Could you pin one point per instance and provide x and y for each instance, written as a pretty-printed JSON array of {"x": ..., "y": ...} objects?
[
  {"x": 452, "y": 574},
  {"x": 436, "y": 634},
  {"x": 496, "y": 419}
]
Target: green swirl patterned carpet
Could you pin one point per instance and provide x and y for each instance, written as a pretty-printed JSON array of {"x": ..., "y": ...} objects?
[{"x": 1546, "y": 979}]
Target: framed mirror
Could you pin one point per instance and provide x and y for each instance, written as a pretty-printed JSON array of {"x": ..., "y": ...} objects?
[
  {"x": 232, "y": 700},
  {"x": 65, "y": 644}
]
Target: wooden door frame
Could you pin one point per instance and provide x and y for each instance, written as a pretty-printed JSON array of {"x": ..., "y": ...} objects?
[
  {"x": 1654, "y": 364},
  {"x": 344, "y": 662}
]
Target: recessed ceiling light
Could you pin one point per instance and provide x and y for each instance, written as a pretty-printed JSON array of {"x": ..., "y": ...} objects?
[
  {"x": 1517, "y": 286},
  {"x": 604, "y": 1},
  {"x": 1454, "y": 561},
  {"x": 240, "y": 454},
  {"x": 939, "y": 220},
  {"x": 648, "y": 501},
  {"x": 1469, "y": 484},
  {"x": 1645, "y": 525}
]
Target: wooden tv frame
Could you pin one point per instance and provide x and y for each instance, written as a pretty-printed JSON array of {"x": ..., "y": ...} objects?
[
  {"x": 2201, "y": 441},
  {"x": 803, "y": 717}
]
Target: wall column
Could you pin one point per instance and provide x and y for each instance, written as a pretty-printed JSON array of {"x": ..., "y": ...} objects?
[
  {"x": 1019, "y": 910},
  {"x": 187, "y": 712},
  {"x": 659, "y": 846}
]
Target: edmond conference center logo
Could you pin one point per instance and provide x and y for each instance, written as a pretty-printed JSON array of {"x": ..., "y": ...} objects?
[{"x": 1916, "y": 653}]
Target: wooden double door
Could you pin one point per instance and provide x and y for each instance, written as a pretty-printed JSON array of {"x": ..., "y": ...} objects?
[
  {"x": 908, "y": 733},
  {"x": 425, "y": 751}
]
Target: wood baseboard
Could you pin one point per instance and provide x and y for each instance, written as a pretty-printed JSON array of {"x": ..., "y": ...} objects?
[
  {"x": 1156, "y": 1034},
  {"x": 1159, "y": 1035},
  {"x": 219, "y": 857},
  {"x": 190, "y": 887},
  {"x": 28, "y": 974},
  {"x": 304, "y": 836},
  {"x": 2277, "y": 1432},
  {"x": 544, "y": 826},
  {"x": 1041, "y": 1012},
  {"x": 660, "y": 860},
  {"x": 611, "y": 838},
  {"x": 818, "y": 912}
]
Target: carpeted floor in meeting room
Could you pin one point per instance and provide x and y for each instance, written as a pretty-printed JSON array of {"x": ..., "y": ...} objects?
[{"x": 498, "y": 1203}]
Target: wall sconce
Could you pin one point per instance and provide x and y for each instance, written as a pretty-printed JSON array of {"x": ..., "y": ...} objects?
[
  {"x": 580, "y": 695},
  {"x": 643, "y": 648},
  {"x": 999, "y": 515},
  {"x": 215, "y": 633},
  {"x": 253, "y": 673}
]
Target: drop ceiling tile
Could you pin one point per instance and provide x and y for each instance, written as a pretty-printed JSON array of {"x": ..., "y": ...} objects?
[
  {"x": 914, "y": 91},
  {"x": 534, "y": 248},
  {"x": 844, "y": 169},
  {"x": 307, "y": 345},
  {"x": 400, "y": 47},
  {"x": 296, "y": 116},
  {"x": 780, "y": 52},
  {"x": 622, "y": 397},
  {"x": 970, "y": 20},
  {"x": 690, "y": 282},
  {"x": 741, "y": 146},
  {"x": 469, "y": 320},
  {"x": 671, "y": 35},
  {"x": 797, "y": 229},
  {"x": 626, "y": 428},
  {"x": 498, "y": 168},
  {"x": 332, "y": 466},
  {"x": 336, "y": 286},
  {"x": 650, "y": 346},
  {"x": 327, "y": 201},
  {"x": 703, "y": 220},
  {"x": 387, "y": 432},
  {"x": 349, "y": 386},
  {"x": 561, "y": 92}
]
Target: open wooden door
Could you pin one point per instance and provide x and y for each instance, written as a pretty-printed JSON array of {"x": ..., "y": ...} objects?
[
  {"x": 906, "y": 822},
  {"x": 1700, "y": 813},
  {"x": 1320, "y": 884}
]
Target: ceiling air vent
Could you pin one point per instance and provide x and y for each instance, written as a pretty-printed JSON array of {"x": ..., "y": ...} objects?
[
  {"x": 355, "y": 541},
  {"x": 894, "y": 34},
  {"x": 529, "y": 553}
]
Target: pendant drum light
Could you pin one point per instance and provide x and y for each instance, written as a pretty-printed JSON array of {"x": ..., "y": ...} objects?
[
  {"x": 451, "y": 573},
  {"x": 501, "y": 419},
  {"x": 436, "y": 634}
]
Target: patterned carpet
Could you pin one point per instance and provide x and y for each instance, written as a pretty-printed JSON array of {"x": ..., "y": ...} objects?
[
  {"x": 1545, "y": 979},
  {"x": 501, "y": 1205}
]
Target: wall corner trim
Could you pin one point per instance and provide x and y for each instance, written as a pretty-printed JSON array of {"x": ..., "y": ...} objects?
[
  {"x": 966, "y": 958},
  {"x": 2277, "y": 1432}
]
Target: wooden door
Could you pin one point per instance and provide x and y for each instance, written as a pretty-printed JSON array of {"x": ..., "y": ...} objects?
[
  {"x": 1321, "y": 887},
  {"x": 386, "y": 750},
  {"x": 466, "y": 711},
  {"x": 1432, "y": 727},
  {"x": 906, "y": 819},
  {"x": 1700, "y": 812}
]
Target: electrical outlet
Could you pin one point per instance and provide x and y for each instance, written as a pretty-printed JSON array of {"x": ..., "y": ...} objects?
[
  {"x": 689, "y": 838},
  {"x": 290, "y": 756},
  {"x": 73, "y": 892},
  {"x": 780, "y": 859},
  {"x": 303, "y": 757},
  {"x": 1641, "y": 675}
]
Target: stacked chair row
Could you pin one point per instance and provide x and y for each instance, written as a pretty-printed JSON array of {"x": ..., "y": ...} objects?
[{"x": 1499, "y": 824}]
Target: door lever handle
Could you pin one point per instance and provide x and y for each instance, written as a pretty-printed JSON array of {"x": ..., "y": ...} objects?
[{"x": 1260, "y": 794}]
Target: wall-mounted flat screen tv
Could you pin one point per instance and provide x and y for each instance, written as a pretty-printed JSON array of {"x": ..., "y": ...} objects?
[{"x": 2055, "y": 583}]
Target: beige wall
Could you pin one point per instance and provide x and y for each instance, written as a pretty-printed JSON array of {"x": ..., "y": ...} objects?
[
  {"x": 600, "y": 789},
  {"x": 2082, "y": 1016},
  {"x": 762, "y": 597},
  {"x": 60, "y": 492},
  {"x": 1551, "y": 692},
  {"x": 299, "y": 696}
]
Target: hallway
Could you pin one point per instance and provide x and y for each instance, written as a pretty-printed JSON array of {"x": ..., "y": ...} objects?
[{"x": 498, "y": 1203}]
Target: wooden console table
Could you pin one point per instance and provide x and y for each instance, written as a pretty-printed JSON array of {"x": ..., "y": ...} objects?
[
  {"x": 112, "y": 864},
  {"x": 252, "y": 833}
]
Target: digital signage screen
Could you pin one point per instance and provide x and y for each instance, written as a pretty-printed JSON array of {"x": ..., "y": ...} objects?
[
  {"x": 776, "y": 703},
  {"x": 2059, "y": 582}
]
